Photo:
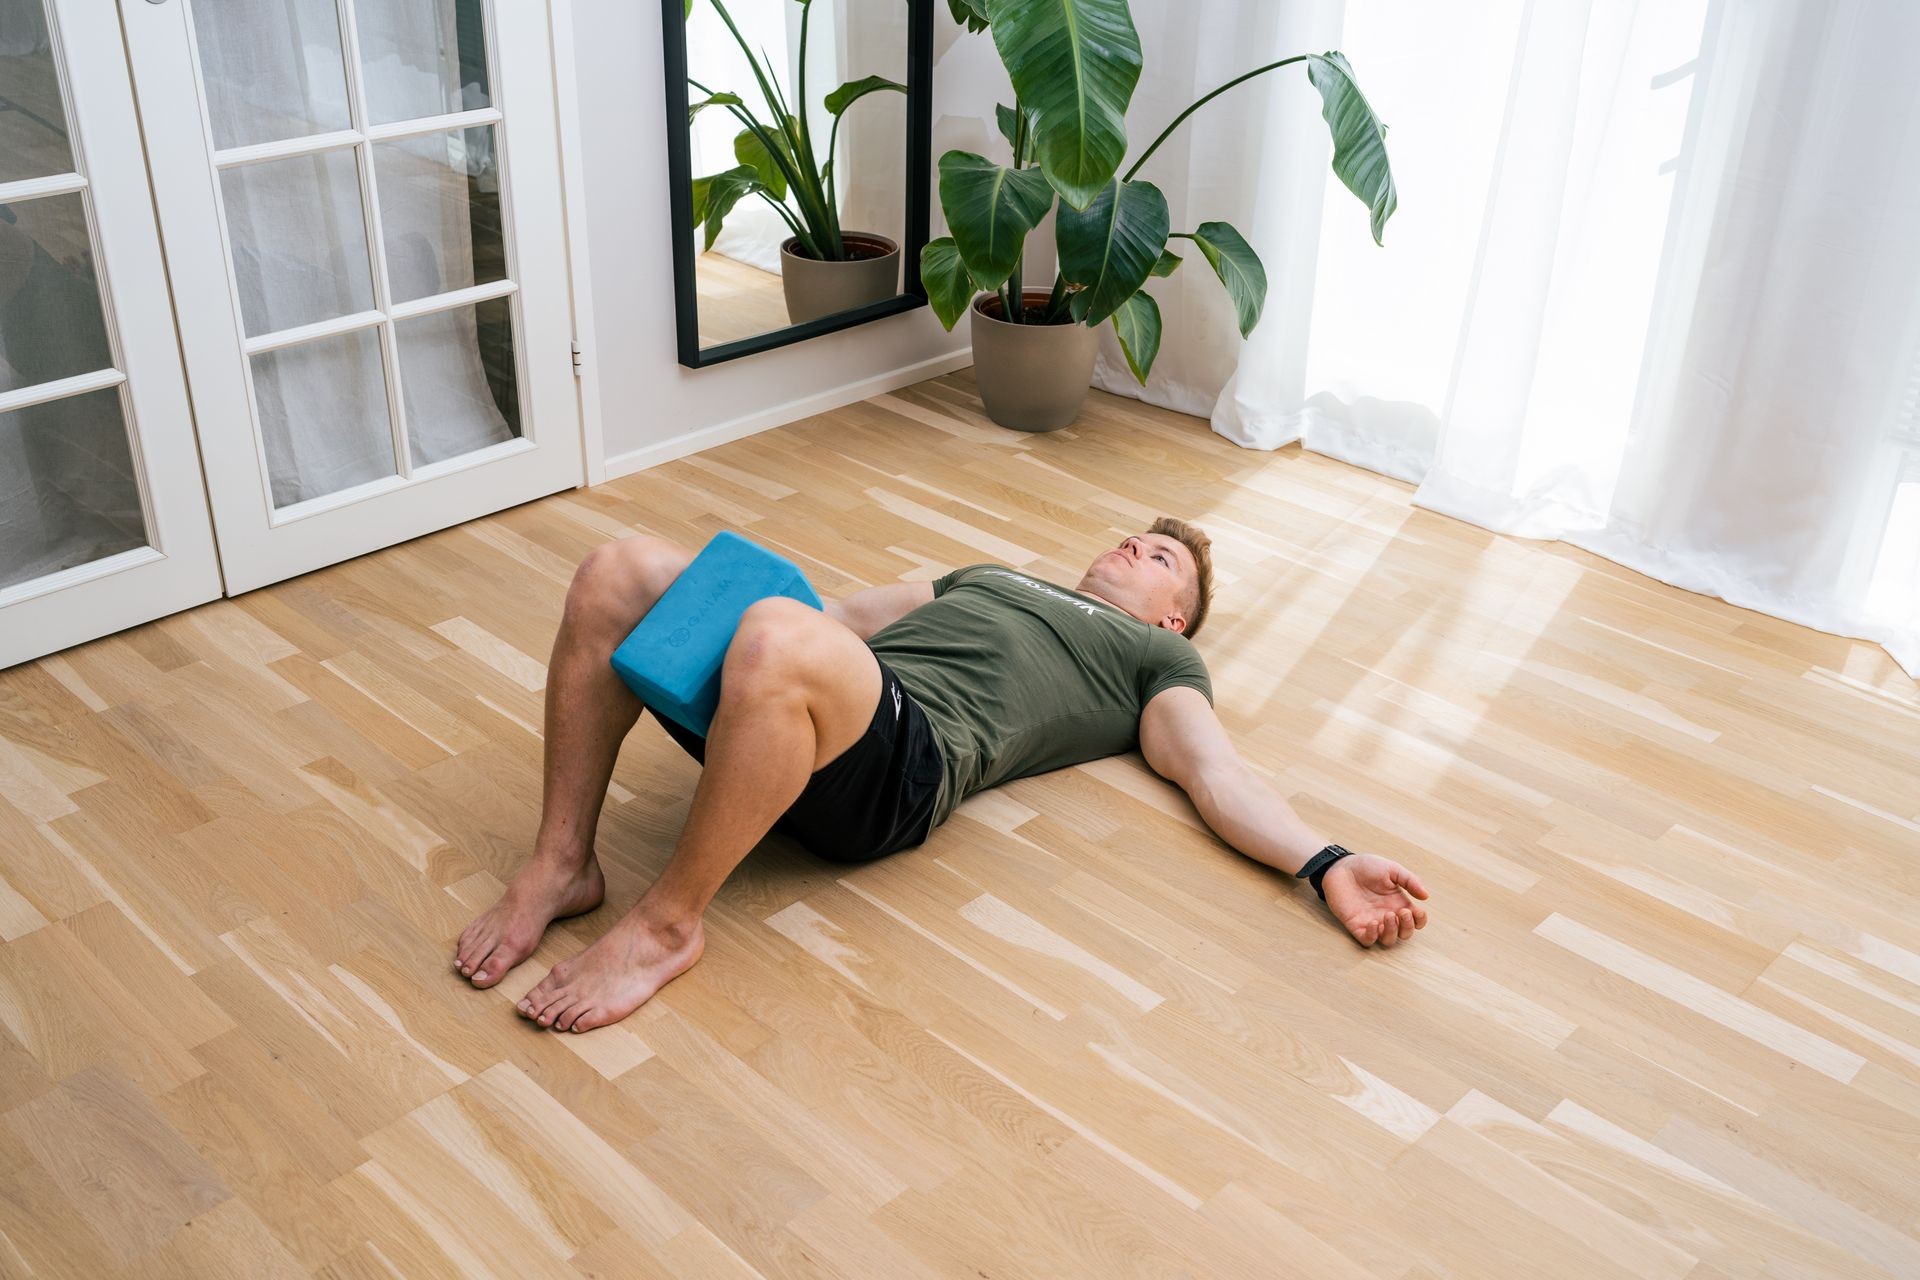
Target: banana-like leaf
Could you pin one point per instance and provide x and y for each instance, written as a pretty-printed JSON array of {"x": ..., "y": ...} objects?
[
  {"x": 716, "y": 100},
  {"x": 971, "y": 14},
  {"x": 1238, "y": 267},
  {"x": 1359, "y": 139},
  {"x": 1112, "y": 246},
  {"x": 1137, "y": 323},
  {"x": 990, "y": 209},
  {"x": 1168, "y": 264},
  {"x": 714, "y": 197},
  {"x": 1074, "y": 64},
  {"x": 749, "y": 151},
  {"x": 689, "y": 11},
  {"x": 854, "y": 90},
  {"x": 944, "y": 275}
]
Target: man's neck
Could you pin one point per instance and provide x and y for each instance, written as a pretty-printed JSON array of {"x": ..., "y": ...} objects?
[{"x": 1082, "y": 590}]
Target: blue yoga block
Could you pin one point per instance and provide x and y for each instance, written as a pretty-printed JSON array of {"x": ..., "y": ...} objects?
[{"x": 672, "y": 659}]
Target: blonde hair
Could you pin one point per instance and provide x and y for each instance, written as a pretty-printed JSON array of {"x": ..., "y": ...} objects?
[{"x": 1198, "y": 597}]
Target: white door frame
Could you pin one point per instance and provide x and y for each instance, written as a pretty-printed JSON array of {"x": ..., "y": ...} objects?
[
  {"x": 177, "y": 569},
  {"x": 258, "y": 544},
  {"x": 566, "y": 80}
]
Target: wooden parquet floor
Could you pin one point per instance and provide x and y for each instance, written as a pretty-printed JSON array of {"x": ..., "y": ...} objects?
[{"x": 1665, "y": 1021}]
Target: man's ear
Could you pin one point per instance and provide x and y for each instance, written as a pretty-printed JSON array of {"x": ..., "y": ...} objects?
[{"x": 1175, "y": 623}]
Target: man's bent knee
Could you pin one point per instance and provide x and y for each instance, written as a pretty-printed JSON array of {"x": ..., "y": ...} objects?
[
  {"x": 778, "y": 639},
  {"x": 784, "y": 650},
  {"x": 623, "y": 579}
]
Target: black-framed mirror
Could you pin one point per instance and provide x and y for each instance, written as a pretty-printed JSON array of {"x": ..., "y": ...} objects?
[{"x": 798, "y": 141}]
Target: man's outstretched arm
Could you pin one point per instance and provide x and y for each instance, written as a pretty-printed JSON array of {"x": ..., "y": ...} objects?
[
  {"x": 1378, "y": 900},
  {"x": 866, "y": 612}
]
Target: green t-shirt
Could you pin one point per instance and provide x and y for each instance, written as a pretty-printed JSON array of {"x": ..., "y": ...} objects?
[{"x": 1019, "y": 676}]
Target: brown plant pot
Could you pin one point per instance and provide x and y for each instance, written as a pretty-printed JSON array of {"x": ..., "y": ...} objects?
[
  {"x": 1032, "y": 377},
  {"x": 815, "y": 288}
]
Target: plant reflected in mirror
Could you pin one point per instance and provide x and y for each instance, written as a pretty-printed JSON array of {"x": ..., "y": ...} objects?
[{"x": 796, "y": 192}]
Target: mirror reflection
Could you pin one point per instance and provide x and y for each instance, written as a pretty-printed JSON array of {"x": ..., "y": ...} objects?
[{"x": 797, "y": 118}]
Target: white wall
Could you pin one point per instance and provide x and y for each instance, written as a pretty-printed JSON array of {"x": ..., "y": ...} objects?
[{"x": 650, "y": 408}]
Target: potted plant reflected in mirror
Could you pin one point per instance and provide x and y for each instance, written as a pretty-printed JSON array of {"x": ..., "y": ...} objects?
[
  {"x": 1074, "y": 64},
  {"x": 824, "y": 269}
]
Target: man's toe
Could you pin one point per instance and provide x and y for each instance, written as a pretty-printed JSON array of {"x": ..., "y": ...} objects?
[
  {"x": 504, "y": 955},
  {"x": 541, "y": 993},
  {"x": 490, "y": 968},
  {"x": 547, "y": 1004}
]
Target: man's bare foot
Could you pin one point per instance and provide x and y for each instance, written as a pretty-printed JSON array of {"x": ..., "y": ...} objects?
[
  {"x": 614, "y": 976},
  {"x": 507, "y": 932}
]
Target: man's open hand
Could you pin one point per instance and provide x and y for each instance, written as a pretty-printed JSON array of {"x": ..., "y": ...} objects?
[{"x": 1374, "y": 898}]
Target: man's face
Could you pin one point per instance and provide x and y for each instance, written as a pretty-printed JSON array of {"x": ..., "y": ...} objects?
[{"x": 1147, "y": 574}]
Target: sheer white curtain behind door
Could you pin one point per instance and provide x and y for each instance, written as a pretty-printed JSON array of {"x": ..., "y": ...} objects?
[
  {"x": 1653, "y": 288},
  {"x": 298, "y": 232}
]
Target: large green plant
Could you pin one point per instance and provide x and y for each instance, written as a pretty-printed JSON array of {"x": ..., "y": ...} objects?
[
  {"x": 1074, "y": 64},
  {"x": 776, "y": 155}
]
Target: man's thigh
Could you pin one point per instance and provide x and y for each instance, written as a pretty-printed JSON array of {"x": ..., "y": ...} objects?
[
  {"x": 783, "y": 648},
  {"x": 785, "y": 653},
  {"x": 872, "y": 799}
]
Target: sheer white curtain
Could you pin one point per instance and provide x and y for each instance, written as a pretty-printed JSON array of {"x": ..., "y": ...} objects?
[
  {"x": 68, "y": 493},
  {"x": 871, "y": 167},
  {"x": 1653, "y": 288},
  {"x": 299, "y": 241}
]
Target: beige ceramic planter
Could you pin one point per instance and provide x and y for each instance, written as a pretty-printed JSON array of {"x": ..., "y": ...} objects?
[
  {"x": 816, "y": 289},
  {"x": 1032, "y": 377}
]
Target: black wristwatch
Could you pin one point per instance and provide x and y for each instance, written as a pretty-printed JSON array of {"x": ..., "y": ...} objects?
[{"x": 1316, "y": 868}]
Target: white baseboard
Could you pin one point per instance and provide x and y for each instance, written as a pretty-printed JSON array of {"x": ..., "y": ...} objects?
[{"x": 623, "y": 464}]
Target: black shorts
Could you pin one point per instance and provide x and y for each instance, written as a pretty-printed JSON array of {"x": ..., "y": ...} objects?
[{"x": 872, "y": 799}]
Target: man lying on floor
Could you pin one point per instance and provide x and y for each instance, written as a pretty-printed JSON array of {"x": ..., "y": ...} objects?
[{"x": 858, "y": 731}]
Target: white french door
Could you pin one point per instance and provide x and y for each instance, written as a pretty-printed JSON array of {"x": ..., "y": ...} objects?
[
  {"x": 360, "y": 201},
  {"x": 103, "y": 521}
]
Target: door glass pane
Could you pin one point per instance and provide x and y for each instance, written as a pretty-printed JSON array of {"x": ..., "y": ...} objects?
[
  {"x": 271, "y": 68},
  {"x": 299, "y": 241},
  {"x": 50, "y": 321},
  {"x": 440, "y": 212},
  {"x": 323, "y": 416},
  {"x": 457, "y": 380},
  {"x": 423, "y": 57},
  {"x": 33, "y": 124},
  {"x": 68, "y": 494}
]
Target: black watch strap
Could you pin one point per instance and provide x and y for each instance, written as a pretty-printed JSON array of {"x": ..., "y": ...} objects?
[{"x": 1316, "y": 868}]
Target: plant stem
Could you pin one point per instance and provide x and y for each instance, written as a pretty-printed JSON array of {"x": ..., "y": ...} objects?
[
  {"x": 810, "y": 161},
  {"x": 1181, "y": 118},
  {"x": 1057, "y": 299},
  {"x": 806, "y": 136},
  {"x": 1016, "y": 309},
  {"x": 785, "y": 213}
]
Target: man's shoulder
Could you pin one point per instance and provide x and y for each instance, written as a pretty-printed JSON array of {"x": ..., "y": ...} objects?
[{"x": 1168, "y": 651}]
